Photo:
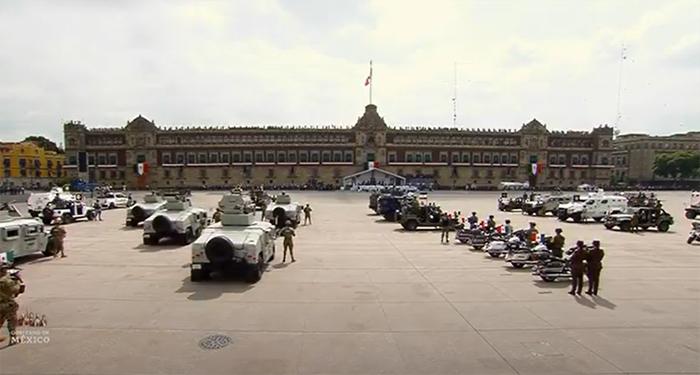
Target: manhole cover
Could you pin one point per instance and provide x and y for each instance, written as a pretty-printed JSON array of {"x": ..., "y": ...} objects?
[{"x": 215, "y": 342}]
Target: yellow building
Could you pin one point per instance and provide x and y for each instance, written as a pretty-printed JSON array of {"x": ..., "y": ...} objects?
[{"x": 25, "y": 163}]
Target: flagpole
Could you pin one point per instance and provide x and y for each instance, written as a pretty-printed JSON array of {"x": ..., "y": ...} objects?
[{"x": 370, "y": 81}]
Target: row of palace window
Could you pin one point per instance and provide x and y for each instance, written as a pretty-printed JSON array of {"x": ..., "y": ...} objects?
[
  {"x": 456, "y": 157},
  {"x": 112, "y": 174},
  {"x": 455, "y": 140},
  {"x": 663, "y": 146},
  {"x": 224, "y": 173},
  {"x": 314, "y": 156},
  {"x": 318, "y": 137},
  {"x": 101, "y": 159},
  {"x": 561, "y": 159},
  {"x": 32, "y": 164}
]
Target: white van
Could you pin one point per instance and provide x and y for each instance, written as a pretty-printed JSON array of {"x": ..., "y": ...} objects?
[{"x": 595, "y": 207}]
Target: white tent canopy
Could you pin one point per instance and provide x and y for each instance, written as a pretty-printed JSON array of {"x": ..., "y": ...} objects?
[{"x": 374, "y": 176}]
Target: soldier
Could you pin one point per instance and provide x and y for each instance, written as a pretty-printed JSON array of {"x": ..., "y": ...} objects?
[
  {"x": 98, "y": 210},
  {"x": 9, "y": 290},
  {"x": 491, "y": 224},
  {"x": 263, "y": 207},
  {"x": 634, "y": 222},
  {"x": 558, "y": 244},
  {"x": 58, "y": 234},
  {"x": 217, "y": 215},
  {"x": 577, "y": 268},
  {"x": 473, "y": 221},
  {"x": 307, "y": 214},
  {"x": 444, "y": 228},
  {"x": 594, "y": 264},
  {"x": 129, "y": 201},
  {"x": 508, "y": 228},
  {"x": 288, "y": 233}
]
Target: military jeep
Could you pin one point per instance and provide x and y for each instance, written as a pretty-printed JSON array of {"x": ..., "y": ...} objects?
[
  {"x": 649, "y": 217},
  {"x": 177, "y": 219},
  {"x": 506, "y": 203}
]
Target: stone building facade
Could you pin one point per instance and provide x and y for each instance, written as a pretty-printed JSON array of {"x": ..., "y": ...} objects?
[
  {"x": 448, "y": 157},
  {"x": 634, "y": 154}
]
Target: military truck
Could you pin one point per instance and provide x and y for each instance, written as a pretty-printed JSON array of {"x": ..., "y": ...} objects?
[
  {"x": 693, "y": 210},
  {"x": 177, "y": 220},
  {"x": 506, "y": 203},
  {"x": 236, "y": 242},
  {"x": 649, "y": 217},
  {"x": 283, "y": 210},
  {"x": 141, "y": 211},
  {"x": 21, "y": 236},
  {"x": 542, "y": 205},
  {"x": 414, "y": 216}
]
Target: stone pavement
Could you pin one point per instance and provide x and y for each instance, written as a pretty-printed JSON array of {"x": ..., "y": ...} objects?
[{"x": 364, "y": 297}]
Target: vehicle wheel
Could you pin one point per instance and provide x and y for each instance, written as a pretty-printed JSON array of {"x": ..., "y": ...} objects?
[
  {"x": 90, "y": 216},
  {"x": 411, "y": 225},
  {"x": 562, "y": 217},
  {"x": 690, "y": 240},
  {"x": 577, "y": 218},
  {"x": 598, "y": 219},
  {"x": 690, "y": 214},
  {"x": 495, "y": 255},
  {"x": 50, "y": 249},
  {"x": 33, "y": 213},
  {"x": 199, "y": 275},
  {"x": 256, "y": 271},
  {"x": 151, "y": 241},
  {"x": 462, "y": 240},
  {"x": 541, "y": 212},
  {"x": 625, "y": 227},
  {"x": 517, "y": 265},
  {"x": 67, "y": 218},
  {"x": 663, "y": 226},
  {"x": 112, "y": 206},
  {"x": 548, "y": 278},
  {"x": 46, "y": 220},
  {"x": 477, "y": 247},
  {"x": 608, "y": 226},
  {"x": 508, "y": 209},
  {"x": 188, "y": 237}
]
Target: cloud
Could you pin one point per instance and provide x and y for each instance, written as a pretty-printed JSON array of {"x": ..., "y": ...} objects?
[{"x": 288, "y": 62}]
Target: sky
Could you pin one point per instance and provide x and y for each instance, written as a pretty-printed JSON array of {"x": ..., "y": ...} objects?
[{"x": 278, "y": 62}]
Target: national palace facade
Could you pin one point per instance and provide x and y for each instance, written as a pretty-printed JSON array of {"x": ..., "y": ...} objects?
[{"x": 448, "y": 157}]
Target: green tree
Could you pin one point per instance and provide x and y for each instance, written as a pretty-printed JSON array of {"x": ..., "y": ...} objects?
[
  {"x": 44, "y": 143},
  {"x": 680, "y": 165}
]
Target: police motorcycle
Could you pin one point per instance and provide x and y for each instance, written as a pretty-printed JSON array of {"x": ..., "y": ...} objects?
[
  {"x": 525, "y": 255},
  {"x": 695, "y": 233},
  {"x": 500, "y": 244},
  {"x": 552, "y": 268}
]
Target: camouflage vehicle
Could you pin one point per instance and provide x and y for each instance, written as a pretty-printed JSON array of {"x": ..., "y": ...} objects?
[
  {"x": 506, "y": 203},
  {"x": 542, "y": 205},
  {"x": 236, "y": 242},
  {"x": 649, "y": 217},
  {"x": 413, "y": 217},
  {"x": 177, "y": 219},
  {"x": 141, "y": 211}
]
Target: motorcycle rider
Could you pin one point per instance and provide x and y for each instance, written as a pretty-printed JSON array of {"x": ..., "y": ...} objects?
[
  {"x": 491, "y": 224},
  {"x": 557, "y": 245},
  {"x": 473, "y": 221},
  {"x": 576, "y": 262},
  {"x": 594, "y": 264},
  {"x": 532, "y": 233}
]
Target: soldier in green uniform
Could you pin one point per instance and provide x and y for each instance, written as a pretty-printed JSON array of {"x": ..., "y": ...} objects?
[
  {"x": 594, "y": 264},
  {"x": 558, "y": 243},
  {"x": 307, "y": 214},
  {"x": 58, "y": 234},
  {"x": 9, "y": 289},
  {"x": 288, "y": 233},
  {"x": 444, "y": 228}
]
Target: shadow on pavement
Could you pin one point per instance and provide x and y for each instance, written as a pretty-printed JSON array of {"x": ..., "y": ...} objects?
[
  {"x": 559, "y": 284},
  {"x": 581, "y": 300},
  {"x": 602, "y": 302},
  {"x": 214, "y": 288},
  {"x": 163, "y": 245}
]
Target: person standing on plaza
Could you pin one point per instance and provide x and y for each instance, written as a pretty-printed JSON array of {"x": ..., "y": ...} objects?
[
  {"x": 9, "y": 290},
  {"x": 58, "y": 234},
  {"x": 473, "y": 221},
  {"x": 307, "y": 214},
  {"x": 508, "y": 228},
  {"x": 288, "y": 233},
  {"x": 634, "y": 222},
  {"x": 444, "y": 228},
  {"x": 594, "y": 264},
  {"x": 98, "y": 210},
  {"x": 578, "y": 267}
]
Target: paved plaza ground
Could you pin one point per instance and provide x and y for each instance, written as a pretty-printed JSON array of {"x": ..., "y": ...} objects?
[{"x": 365, "y": 297}]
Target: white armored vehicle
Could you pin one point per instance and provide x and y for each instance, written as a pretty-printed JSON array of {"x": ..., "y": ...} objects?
[
  {"x": 236, "y": 241},
  {"x": 141, "y": 211},
  {"x": 67, "y": 211},
  {"x": 37, "y": 201},
  {"x": 283, "y": 209},
  {"x": 177, "y": 220},
  {"x": 20, "y": 236},
  {"x": 596, "y": 207}
]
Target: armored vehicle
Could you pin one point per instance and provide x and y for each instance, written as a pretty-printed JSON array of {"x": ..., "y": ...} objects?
[
  {"x": 390, "y": 206},
  {"x": 648, "y": 217},
  {"x": 693, "y": 210},
  {"x": 177, "y": 219},
  {"x": 140, "y": 211},
  {"x": 67, "y": 211},
  {"x": 414, "y": 216},
  {"x": 37, "y": 201},
  {"x": 506, "y": 203},
  {"x": 20, "y": 236},
  {"x": 237, "y": 241},
  {"x": 595, "y": 207},
  {"x": 542, "y": 205},
  {"x": 283, "y": 209}
]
